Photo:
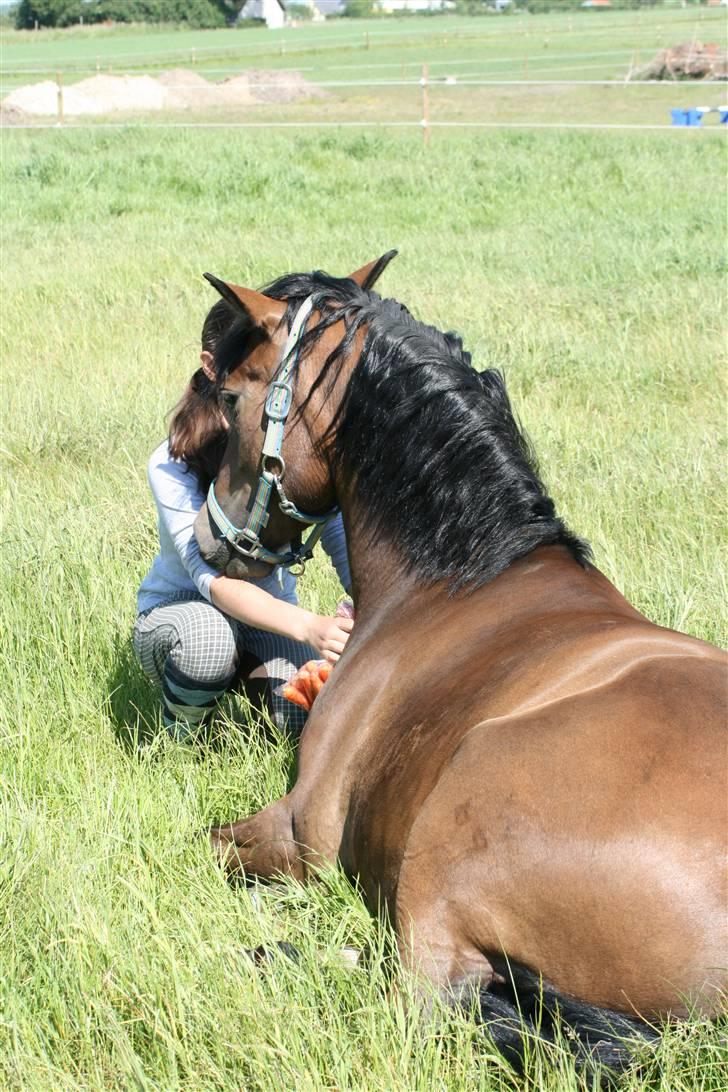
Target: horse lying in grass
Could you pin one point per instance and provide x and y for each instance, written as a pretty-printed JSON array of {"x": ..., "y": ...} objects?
[{"x": 523, "y": 771}]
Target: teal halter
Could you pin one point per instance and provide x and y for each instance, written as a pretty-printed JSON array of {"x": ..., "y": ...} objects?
[{"x": 246, "y": 540}]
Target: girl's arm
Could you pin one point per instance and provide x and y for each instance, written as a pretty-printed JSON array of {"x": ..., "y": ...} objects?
[
  {"x": 179, "y": 498},
  {"x": 256, "y": 607}
]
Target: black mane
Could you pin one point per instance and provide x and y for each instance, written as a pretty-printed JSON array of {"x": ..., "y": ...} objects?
[{"x": 440, "y": 467}]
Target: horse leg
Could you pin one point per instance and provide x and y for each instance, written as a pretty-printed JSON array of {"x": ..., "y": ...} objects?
[
  {"x": 435, "y": 951},
  {"x": 513, "y": 1005},
  {"x": 443, "y": 961},
  {"x": 261, "y": 846}
]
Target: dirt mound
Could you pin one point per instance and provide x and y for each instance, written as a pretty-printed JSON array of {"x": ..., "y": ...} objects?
[
  {"x": 11, "y": 116},
  {"x": 186, "y": 90},
  {"x": 687, "y": 61},
  {"x": 177, "y": 89},
  {"x": 276, "y": 86}
]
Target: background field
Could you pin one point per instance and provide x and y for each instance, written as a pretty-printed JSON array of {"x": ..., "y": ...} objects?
[
  {"x": 349, "y": 58},
  {"x": 589, "y": 266}
]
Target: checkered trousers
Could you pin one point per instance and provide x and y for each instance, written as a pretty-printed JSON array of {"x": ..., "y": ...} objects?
[{"x": 193, "y": 651}]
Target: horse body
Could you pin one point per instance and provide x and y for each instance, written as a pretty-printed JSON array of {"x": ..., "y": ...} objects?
[
  {"x": 524, "y": 788},
  {"x": 525, "y": 773}
]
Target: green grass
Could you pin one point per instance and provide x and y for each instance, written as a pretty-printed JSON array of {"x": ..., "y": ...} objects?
[
  {"x": 554, "y": 47},
  {"x": 588, "y": 266},
  {"x": 340, "y": 45}
]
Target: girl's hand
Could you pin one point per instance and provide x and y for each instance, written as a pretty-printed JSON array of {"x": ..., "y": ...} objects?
[
  {"x": 260, "y": 609},
  {"x": 328, "y": 635}
]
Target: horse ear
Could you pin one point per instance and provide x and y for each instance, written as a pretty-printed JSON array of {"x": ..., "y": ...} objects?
[
  {"x": 368, "y": 275},
  {"x": 262, "y": 310}
]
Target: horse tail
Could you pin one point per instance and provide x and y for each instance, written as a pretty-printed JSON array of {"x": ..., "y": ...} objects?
[{"x": 527, "y": 1008}]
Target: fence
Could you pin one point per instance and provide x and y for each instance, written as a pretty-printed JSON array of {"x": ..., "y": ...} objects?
[
  {"x": 554, "y": 88},
  {"x": 427, "y": 87}
]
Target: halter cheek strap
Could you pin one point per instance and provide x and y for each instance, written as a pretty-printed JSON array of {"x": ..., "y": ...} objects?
[{"x": 246, "y": 540}]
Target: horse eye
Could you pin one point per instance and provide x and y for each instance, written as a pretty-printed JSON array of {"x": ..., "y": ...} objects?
[{"x": 228, "y": 398}]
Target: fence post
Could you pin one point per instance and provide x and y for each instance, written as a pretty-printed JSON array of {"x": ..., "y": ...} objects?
[
  {"x": 690, "y": 55},
  {"x": 424, "y": 83},
  {"x": 59, "y": 95}
]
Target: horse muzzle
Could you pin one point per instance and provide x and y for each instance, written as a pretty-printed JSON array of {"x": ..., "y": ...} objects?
[{"x": 218, "y": 552}]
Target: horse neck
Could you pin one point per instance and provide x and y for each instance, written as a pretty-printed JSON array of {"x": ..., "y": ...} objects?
[{"x": 380, "y": 579}]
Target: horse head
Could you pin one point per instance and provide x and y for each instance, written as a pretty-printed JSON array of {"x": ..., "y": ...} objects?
[{"x": 275, "y": 479}]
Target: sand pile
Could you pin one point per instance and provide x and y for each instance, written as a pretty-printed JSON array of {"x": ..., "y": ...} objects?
[
  {"x": 177, "y": 89},
  {"x": 276, "y": 86},
  {"x": 687, "y": 61},
  {"x": 184, "y": 90}
]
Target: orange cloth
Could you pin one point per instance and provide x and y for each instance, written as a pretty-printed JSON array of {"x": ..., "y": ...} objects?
[{"x": 306, "y": 684}]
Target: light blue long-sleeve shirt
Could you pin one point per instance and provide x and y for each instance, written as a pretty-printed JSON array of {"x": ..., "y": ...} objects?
[{"x": 179, "y": 566}]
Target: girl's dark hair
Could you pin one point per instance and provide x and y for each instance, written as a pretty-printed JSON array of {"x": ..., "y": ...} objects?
[{"x": 196, "y": 432}]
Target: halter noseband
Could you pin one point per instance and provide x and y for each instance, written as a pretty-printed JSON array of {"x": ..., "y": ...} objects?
[{"x": 246, "y": 540}]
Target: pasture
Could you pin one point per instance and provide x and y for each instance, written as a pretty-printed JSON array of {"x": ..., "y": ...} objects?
[
  {"x": 519, "y": 69},
  {"x": 589, "y": 266}
]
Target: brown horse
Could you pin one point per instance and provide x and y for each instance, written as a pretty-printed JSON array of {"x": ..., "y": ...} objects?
[{"x": 525, "y": 772}]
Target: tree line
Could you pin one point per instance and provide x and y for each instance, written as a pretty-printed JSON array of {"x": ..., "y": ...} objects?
[
  {"x": 65, "y": 13},
  {"x": 220, "y": 13}
]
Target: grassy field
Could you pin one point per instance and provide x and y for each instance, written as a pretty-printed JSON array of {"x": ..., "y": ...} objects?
[
  {"x": 588, "y": 266},
  {"x": 349, "y": 58}
]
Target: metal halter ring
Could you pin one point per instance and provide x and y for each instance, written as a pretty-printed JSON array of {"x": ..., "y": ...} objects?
[{"x": 272, "y": 475}]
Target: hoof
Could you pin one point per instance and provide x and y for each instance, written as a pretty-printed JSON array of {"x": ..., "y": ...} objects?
[
  {"x": 222, "y": 844},
  {"x": 226, "y": 854},
  {"x": 220, "y": 840}
]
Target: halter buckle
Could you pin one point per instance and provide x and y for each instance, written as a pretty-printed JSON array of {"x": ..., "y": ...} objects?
[
  {"x": 279, "y": 400},
  {"x": 250, "y": 538}
]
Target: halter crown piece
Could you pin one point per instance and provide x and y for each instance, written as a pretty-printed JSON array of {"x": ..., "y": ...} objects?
[{"x": 246, "y": 540}]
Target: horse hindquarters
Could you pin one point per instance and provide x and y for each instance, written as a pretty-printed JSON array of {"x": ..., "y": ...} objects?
[{"x": 583, "y": 840}]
